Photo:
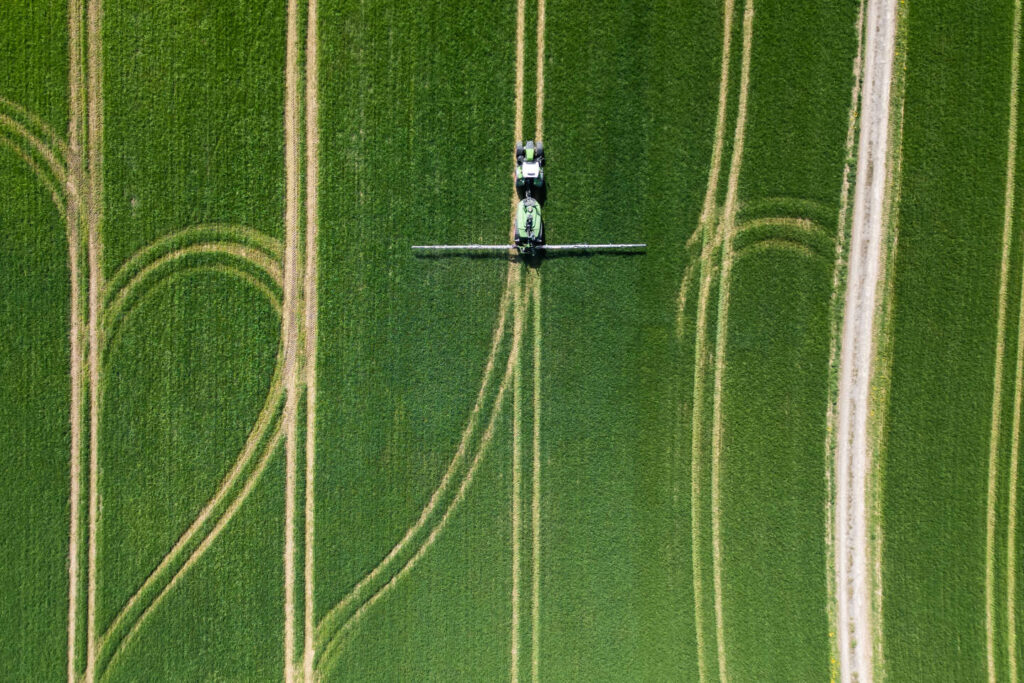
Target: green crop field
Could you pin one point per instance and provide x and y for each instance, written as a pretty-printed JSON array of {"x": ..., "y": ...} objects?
[
  {"x": 249, "y": 435},
  {"x": 953, "y": 426}
]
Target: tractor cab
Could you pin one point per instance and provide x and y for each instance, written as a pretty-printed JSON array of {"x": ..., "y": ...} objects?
[
  {"x": 529, "y": 227},
  {"x": 529, "y": 168}
]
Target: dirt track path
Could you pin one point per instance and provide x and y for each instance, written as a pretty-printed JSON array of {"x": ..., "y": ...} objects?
[
  {"x": 853, "y": 459},
  {"x": 290, "y": 323},
  {"x": 311, "y": 302}
]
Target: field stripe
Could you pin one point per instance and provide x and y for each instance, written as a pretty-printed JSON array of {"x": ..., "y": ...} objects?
[
  {"x": 113, "y": 310},
  {"x": 708, "y": 209},
  {"x": 707, "y": 212},
  {"x": 94, "y": 209},
  {"x": 289, "y": 322},
  {"x": 517, "y": 465},
  {"x": 517, "y": 132},
  {"x": 17, "y": 111},
  {"x": 56, "y": 187},
  {"x": 833, "y": 355},
  {"x": 520, "y": 58},
  {"x": 1011, "y": 525},
  {"x": 54, "y": 160},
  {"x": 782, "y": 243},
  {"x": 697, "y": 436},
  {"x": 75, "y": 181},
  {"x": 330, "y": 628},
  {"x": 997, "y": 381},
  {"x": 700, "y": 342},
  {"x": 311, "y": 303},
  {"x": 727, "y": 230},
  {"x": 539, "y": 121},
  {"x": 263, "y": 423},
  {"x": 684, "y": 287},
  {"x": 272, "y": 443},
  {"x": 530, "y": 297},
  {"x": 204, "y": 233},
  {"x": 516, "y": 414},
  {"x": 333, "y": 647},
  {"x": 535, "y": 606},
  {"x": 534, "y": 295},
  {"x": 329, "y": 623},
  {"x": 804, "y": 224}
]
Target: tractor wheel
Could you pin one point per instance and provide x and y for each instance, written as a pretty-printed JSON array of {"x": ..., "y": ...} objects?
[
  {"x": 520, "y": 152},
  {"x": 540, "y": 153}
]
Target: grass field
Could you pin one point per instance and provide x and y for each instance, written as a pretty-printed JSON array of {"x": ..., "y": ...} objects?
[
  {"x": 957, "y": 297},
  {"x": 250, "y": 436}
]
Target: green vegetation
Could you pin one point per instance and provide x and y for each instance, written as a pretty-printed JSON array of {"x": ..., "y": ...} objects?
[
  {"x": 34, "y": 353},
  {"x": 773, "y": 478},
  {"x": 773, "y": 492},
  {"x": 943, "y": 354},
  {"x": 629, "y": 130},
  {"x": 33, "y": 428},
  {"x": 432, "y": 401},
  {"x": 191, "y": 365}
]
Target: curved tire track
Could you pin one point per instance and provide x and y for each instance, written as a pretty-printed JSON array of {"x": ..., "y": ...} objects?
[
  {"x": 330, "y": 645},
  {"x": 392, "y": 564},
  {"x": 149, "y": 267}
]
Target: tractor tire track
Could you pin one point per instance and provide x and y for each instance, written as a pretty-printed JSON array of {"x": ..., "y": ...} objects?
[
  {"x": 152, "y": 265},
  {"x": 115, "y": 310},
  {"x": 131, "y": 616},
  {"x": 35, "y": 138},
  {"x": 997, "y": 385},
  {"x": 535, "y": 281},
  {"x": 54, "y": 186},
  {"x": 727, "y": 230},
  {"x": 290, "y": 323},
  {"x": 341, "y": 616},
  {"x": 530, "y": 297},
  {"x": 1011, "y": 507},
  {"x": 775, "y": 243},
  {"x": 75, "y": 186},
  {"x": 32, "y": 120},
  {"x": 54, "y": 159},
  {"x": 1012, "y": 482},
  {"x": 229, "y": 513},
  {"x": 705, "y": 232},
  {"x": 94, "y": 213},
  {"x": 204, "y": 233},
  {"x": 517, "y": 503},
  {"x": 708, "y": 209},
  {"x": 341, "y": 612},
  {"x": 535, "y": 506},
  {"x": 312, "y": 310},
  {"x": 330, "y": 650},
  {"x": 697, "y": 439},
  {"x": 538, "y": 133},
  {"x": 517, "y": 133}
]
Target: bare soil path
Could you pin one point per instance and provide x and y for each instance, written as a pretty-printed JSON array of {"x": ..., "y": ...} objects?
[{"x": 856, "y": 622}]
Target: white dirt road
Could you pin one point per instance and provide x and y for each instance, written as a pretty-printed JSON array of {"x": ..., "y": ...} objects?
[{"x": 856, "y": 622}]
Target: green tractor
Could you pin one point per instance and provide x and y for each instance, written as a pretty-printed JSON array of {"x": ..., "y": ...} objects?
[
  {"x": 530, "y": 169},
  {"x": 529, "y": 226}
]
